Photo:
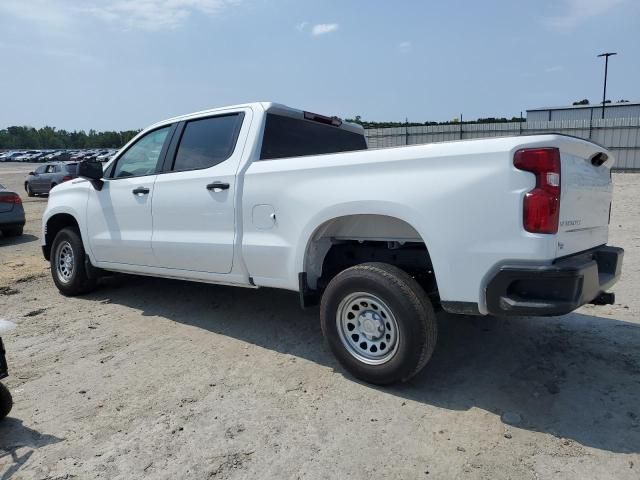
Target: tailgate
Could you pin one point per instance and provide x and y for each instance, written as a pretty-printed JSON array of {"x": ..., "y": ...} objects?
[{"x": 585, "y": 196}]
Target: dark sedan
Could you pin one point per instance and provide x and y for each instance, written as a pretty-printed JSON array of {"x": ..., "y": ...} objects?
[
  {"x": 47, "y": 176},
  {"x": 11, "y": 213}
]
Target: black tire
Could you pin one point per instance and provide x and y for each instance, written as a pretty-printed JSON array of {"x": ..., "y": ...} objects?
[
  {"x": 12, "y": 231},
  {"x": 52, "y": 185},
  {"x": 6, "y": 401},
  {"x": 76, "y": 282},
  {"x": 27, "y": 187},
  {"x": 409, "y": 305}
]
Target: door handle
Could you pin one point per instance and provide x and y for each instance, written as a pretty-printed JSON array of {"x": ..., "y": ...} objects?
[
  {"x": 140, "y": 191},
  {"x": 218, "y": 186}
]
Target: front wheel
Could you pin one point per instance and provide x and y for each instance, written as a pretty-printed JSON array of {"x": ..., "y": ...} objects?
[
  {"x": 68, "y": 264},
  {"x": 27, "y": 187},
  {"x": 379, "y": 323}
]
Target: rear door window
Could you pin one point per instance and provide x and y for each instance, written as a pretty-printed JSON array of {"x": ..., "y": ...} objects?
[
  {"x": 207, "y": 142},
  {"x": 293, "y": 137}
]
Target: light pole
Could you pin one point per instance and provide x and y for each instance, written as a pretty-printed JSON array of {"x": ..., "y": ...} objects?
[{"x": 606, "y": 65}]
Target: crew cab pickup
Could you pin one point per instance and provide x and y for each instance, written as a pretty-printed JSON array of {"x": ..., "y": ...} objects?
[{"x": 262, "y": 195}]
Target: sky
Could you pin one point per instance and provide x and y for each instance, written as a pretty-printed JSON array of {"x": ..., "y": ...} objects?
[{"x": 124, "y": 64}]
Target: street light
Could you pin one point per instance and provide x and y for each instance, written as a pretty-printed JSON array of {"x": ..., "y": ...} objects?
[{"x": 606, "y": 65}]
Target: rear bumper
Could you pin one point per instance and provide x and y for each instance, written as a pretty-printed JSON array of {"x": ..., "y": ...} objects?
[
  {"x": 15, "y": 217},
  {"x": 555, "y": 289}
]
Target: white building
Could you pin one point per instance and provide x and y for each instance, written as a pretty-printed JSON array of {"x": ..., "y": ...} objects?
[{"x": 584, "y": 112}]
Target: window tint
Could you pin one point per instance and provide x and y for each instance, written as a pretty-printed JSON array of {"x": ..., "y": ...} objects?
[
  {"x": 142, "y": 157},
  {"x": 51, "y": 168},
  {"x": 207, "y": 142},
  {"x": 41, "y": 169},
  {"x": 71, "y": 168},
  {"x": 292, "y": 137}
]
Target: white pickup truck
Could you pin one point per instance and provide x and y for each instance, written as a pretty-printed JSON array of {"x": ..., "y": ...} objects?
[{"x": 262, "y": 195}]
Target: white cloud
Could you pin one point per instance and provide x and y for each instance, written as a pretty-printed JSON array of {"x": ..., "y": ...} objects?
[
  {"x": 579, "y": 11},
  {"x": 129, "y": 14},
  {"x": 301, "y": 26},
  {"x": 46, "y": 13},
  {"x": 324, "y": 28},
  {"x": 404, "y": 46},
  {"x": 555, "y": 68},
  {"x": 154, "y": 14}
]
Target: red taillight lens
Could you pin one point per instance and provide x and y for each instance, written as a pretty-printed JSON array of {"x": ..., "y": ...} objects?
[
  {"x": 66, "y": 178},
  {"x": 541, "y": 210},
  {"x": 10, "y": 198}
]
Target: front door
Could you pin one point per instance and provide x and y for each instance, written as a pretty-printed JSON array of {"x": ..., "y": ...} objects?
[
  {"x": 37, "y": 182},
  {"x": 193, "y": 200},
  {"x": 119, "y": 215}
]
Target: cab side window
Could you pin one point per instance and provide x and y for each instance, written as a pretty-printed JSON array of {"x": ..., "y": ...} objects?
[
  {"x": 207, "y": 142},
  {"x": 41, "y": 169},
  {"x": 143, "y": 156}
]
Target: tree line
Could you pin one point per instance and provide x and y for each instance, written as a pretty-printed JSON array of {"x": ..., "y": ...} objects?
[
  {"x": 52, "y": 138},
  {"x": 406, "y": 123}
]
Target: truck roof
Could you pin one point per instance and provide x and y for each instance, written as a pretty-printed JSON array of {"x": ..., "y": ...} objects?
[{"x": 269, "y": 107}]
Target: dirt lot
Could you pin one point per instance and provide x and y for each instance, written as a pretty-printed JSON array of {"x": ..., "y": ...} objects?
[{"x": 150, "y": 378}]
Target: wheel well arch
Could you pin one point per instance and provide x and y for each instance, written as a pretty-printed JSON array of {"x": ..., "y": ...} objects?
[
  {"x": 348, "y": 240},
  {"x": 54, "y": 224}
]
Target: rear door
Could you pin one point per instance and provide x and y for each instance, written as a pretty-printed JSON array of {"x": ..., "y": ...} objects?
[
  {"x": 193, "y": 201},
  {"x": 585, "y": 196}
]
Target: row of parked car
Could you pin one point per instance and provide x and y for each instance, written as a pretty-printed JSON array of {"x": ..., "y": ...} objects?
[{"x": 102, "y": 155}]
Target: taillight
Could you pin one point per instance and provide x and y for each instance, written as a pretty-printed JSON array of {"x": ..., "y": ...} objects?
[
  {"x": 10, "y": 198},
  {"x": 541, "y": 209},
  {"x": 66, "y": 178}
]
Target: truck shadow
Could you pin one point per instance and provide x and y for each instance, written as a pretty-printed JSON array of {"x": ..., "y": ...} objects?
[
  {"x": 14, "y": 437},
  {"x": 575, "y": 377}
]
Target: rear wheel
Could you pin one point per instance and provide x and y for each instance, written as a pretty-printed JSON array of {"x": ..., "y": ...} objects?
[
  {"x": 6, "y": 401},
  {"x": 68, "y": 263},
  {"x": 379, "y": 323}
]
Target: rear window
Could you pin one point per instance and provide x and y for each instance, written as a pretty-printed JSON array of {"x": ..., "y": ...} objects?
[
  {"x": 292, "y": 137},
  {"x": 72, "y": 168}
]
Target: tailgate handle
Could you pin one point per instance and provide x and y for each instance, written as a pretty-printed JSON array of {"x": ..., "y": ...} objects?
[{"x": 599, "y": 158}]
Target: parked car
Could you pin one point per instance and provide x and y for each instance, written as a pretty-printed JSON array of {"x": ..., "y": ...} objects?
[
  {"x": 4, "y": 156},
  {"x": 11, "y": 213},
  {"x": 24, "y": 156},
  {"x": 6, "y": 402},
  {"x": 106, "y": 156},
  {"x": 11, "y": 157},
  {"x": 47, "y": 176},
  {"x": 262, "y": 195}
]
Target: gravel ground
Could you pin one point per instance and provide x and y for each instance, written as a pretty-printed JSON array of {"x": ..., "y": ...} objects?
[{"x": 152, "y": 378}]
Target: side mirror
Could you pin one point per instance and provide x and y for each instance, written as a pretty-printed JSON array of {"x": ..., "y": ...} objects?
[
  {"x": 91, "y": 170},
  {"x": 32, "y": 173}
]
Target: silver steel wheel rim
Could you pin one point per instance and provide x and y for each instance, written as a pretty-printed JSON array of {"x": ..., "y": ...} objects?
[
  {"x": 367, "y": 328},
  {"x": 65, "y": 262}
]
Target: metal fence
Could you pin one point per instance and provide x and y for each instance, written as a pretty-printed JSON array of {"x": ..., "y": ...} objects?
[{"x": 620, "y": 135}]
